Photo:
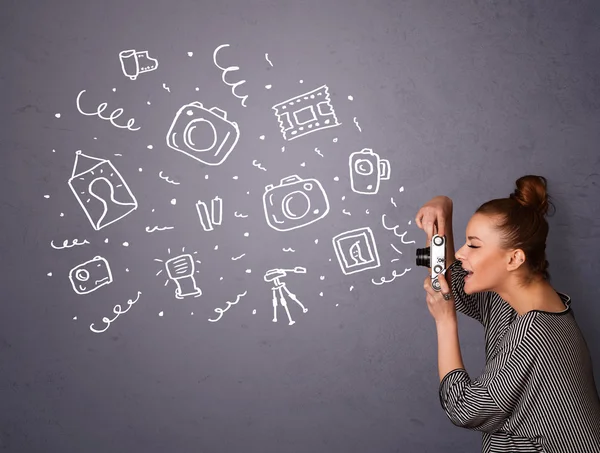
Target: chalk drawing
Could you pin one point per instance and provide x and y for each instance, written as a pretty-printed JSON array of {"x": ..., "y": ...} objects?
[
  {"x": 394, "y": 275},
  {"x": 90, "y": 275},
  {"x": 356, "y": 250},
  {"x": 225, "y": 71},
  {"x": 401, "y": 236},
  {"x": 116, "y": 310},
  {"x": 134, "y": 63},
  {"x": 180, "y": 270},
  {"x": 279, "y": 287},
  {"x": 367, "y": 170},
  {"x": 220, "y": 311},
  {"x": 216, "y": 213},
  {"x": 113, "y": 116},
  {"x": 66, "y": 244},
  {"x": 166, "y": 178}
]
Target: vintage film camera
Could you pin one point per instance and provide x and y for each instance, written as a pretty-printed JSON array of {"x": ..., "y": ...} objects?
[{"x": 434, "y": 257}]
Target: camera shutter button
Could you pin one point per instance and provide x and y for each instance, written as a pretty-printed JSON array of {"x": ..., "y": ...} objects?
[{"x": 307, "y": 186}]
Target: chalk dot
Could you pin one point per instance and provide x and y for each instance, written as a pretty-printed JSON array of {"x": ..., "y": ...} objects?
[
  {"x": 221, "y": 278},
  {"x": 149, "y": 146},
  {"x": 235, "y": 177},
  {"x": 409, "y": 222},
  {"x": 192, "y": 313},
  {"x": 174, "y": 201},
  {"x": 114, "y": 89},
  {"x": 126, "y": 269},
  {"x": 248, "y": 271},
  {"x": 148, "y": 102},
  {"x": 401, "y": 189},
  {"x": 350, "y": 98},
  {"x": 197, "y": 89},
  {"x": 125, "y": 244},
  {"x": 57, "y": 115},
  {"x": 205, "y": 176},
  {"x": 246, "y": 234},
  {"x": 322, "y": 277},
  {"x": 337, "y": 305},
  {"x": 74, "y": 318},
  {"x": 49, "y": 274},
  {"x": 321, "y": 294},
  {"x": 248, "y": 193},
  {"x": 140, "y": 170},
  {"x": 303, "y": 164},
  {"x": 336, "y": 178},
  {"x": 344, "y": 197},
  {"x": 161, "y": 313},
  {"x": 106, "y": 241},
  {"x": 53, "y": 150},
  {"x": 152, "y": 209},
  {"x": 268, "y": 87},
  {"x": 95, "y": 138},
  {"x": 46, "y": 196},
  {"x": 216, "y": 247},
  {"x": 254, "y": 311},
  {"x": 329, "y": 259},
  {"x": 190, "y": 54},
  {"x": 367, "y": 211},
  {"x": 262, "y": 137},
  {"x": 351, "y": 288},
  {"x": 316, "y": 241},
  {"x": 335, "y": 140},
  {"x": 301, "y": 81},
  {"x": 62, "y": 214}
]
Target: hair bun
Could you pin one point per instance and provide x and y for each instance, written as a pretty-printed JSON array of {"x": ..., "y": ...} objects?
[{"x": 531, "y": 193}]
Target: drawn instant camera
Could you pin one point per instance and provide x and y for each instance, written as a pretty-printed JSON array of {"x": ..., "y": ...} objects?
[
  {"x": 203, "y": 134},
  {"x": 294, "y": 203},
  {"x": 91, "y": 275},
  {"x": 434, "y": 257}
]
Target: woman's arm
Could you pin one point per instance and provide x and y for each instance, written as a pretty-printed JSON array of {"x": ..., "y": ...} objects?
[{"x": 449, "y": 356}]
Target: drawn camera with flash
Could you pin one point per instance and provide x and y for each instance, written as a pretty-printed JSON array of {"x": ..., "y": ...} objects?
[
  {"x": 205, "y": 135},
  {"x": 181, "y": 271},
  {"x": 294, "y": 203},
  {"x": 434, "y": 257}
]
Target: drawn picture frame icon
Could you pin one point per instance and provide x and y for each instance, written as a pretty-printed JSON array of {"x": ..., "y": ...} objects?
[
  {"x": 90, "y": 275},
  {"x": 294, "y": 203},
  {"x": 356, "y": 250},
  {"x": 205, "y": 135}
]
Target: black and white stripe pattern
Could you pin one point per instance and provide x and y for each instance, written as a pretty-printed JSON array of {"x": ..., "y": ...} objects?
[{"x": 537, "y": 391}]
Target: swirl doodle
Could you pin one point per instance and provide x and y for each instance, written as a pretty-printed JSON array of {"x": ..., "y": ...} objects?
[
  {"x": 319, "y": 152},
  {"x": 289, "y": 249},
  {"x": 237, "y": 257},
  {"x": 258, "y": 164},
  {"x": 166, "y": 178},
  {"x": 229, "y": 304},
  {"x": 394, "y": 275},
  {"x": 267, "y": 58},
  {"x": 240, "y": 215},
  {"x": 401, "y": 236},
  {"x": 114, "y": 115},
  {"x": 66, "y": 244},
  {"x": 393, "y": 202},
  {"x": 357, "y": 125},
  {"x": 225, "y": 71},
  {"x": 118, "y": 311},
  {"x": 346, "y": 212},
  {"x": 157, "y": 228}
]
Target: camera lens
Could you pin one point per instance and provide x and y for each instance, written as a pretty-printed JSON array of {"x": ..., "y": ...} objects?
[{"x": 424, "y": 257}]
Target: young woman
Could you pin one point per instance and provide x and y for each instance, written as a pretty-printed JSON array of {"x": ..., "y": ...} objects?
[{"x": 537, "y": 391}]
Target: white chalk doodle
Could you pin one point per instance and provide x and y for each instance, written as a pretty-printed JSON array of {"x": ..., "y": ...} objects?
[
  {"x": 91, "y": 275},
  {"x": 113, "y": 116},
  {"x": 134, "y": 63},
  {"x": 180, "y": 270},
  {"x": 166, "y": 178},
  {"x": 319, "y": 152},
  {"x": 306, "y": 113},
  {"x": 237, "y": 257},
  {"x": 289, "y": 249},
  {"x": 216, "y": 213},
  {"x": 395, "y": 249},
  {"x": 346, "y": 212},
  {"x": 240, "y": 215},
  {"x": 100, "y": 190},
  {"x": 164, "y": 85},
  {"x": 367, "y": 170},
  {"x": 220, "y": 311},
  {"x": 258, "y": 165},
  {"x": 357, "y": 125},
  {"x": 267, "y": 58},
  {"x": 225, "y": 71},
  {"x": 294, "y": 203},
  {"x": 157, "y": 228},
  {"x": 66, "y": 244},
  {"x": 279, "y": 287},
  {"x": 118, "y": 311},
  {"x": 356, "y": 250},
  {"x": 401, "y": 236},
  {"x": 205, "y": 135},
  {"x": 394, "y": 276},
  {"x": 393, "y": 202}
]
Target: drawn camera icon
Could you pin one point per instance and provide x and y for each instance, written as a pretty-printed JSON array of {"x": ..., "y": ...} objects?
[
  {"x": 294, "y": 203},
  {"x": 434, "y": 257},
  {"x": 91, "y": 275},
  {"x": 203, "y": 134},
  {"x": 367, "y": 170}
]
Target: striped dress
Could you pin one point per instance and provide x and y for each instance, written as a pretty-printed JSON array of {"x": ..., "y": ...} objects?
[{"x": 537, "y": 390}]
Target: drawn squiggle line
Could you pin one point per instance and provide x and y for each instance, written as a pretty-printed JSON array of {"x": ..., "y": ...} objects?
[
  {"x": 319, "y": 152},
  {"x": 267, "y": 58},
  {"x": 237, "y": 258},
  {"x": 394, "y": 275},
  {"x": 157, "y": 228},
  {"x": 401, "y": 236},
  {"x": 393, "y": 202},
  {"x": 229, "y": 304},
  {"x": 258, "y": 164},
  {"x": 356, "y": 122},
  {"x": 395, "y": 259},
  {"x": 225, "y": 71},
  {"x": 345, "y": 212},
  {"x": 114, "y": 115},
  {"x": 66, "y": 244},
  {"x": 398, "y": 251},
  {"x": 166, "y": 178},
  {"x": 240, "y": 215},
  {"x": 166, "y": 87},
  {"x": 289, "y": 249},
  {"x": 117, "y": 310}
]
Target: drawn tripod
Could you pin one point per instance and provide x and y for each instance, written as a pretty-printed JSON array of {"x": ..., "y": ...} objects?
[{"x": 275, "y": 276}]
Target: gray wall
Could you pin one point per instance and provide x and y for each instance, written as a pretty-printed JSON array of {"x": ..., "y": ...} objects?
[{"x": 461, "y": 98}]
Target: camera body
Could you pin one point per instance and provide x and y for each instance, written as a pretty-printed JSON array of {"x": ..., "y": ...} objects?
[
  {"x": 294, "y": 203},
  {"x": 434, "y": 257},
  {"x": 367, "y": 170}
]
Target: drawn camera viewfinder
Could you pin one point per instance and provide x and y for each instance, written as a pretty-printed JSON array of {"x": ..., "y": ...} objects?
[
  {"x": 91, "y": 275},
  {"x": 356, "y": 250},
  {"x": 294, "y": 203},
  {"x": 203, "y": 134}
]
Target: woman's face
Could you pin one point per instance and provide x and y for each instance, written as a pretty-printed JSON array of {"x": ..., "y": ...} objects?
[{"x": 482, "y": 255}]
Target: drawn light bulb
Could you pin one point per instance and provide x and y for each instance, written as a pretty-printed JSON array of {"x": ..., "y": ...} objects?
[{"x": 181, "y": 271}]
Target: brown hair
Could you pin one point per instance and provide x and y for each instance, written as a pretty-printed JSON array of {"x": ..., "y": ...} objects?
[{"x": 522, "y": 223}]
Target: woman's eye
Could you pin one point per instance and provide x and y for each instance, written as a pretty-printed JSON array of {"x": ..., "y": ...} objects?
[{"x": 472, "y": 246}]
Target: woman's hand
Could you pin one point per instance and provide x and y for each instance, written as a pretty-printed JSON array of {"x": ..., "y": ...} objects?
[
  {"x": 440, "y": 308},
  {"x": 435, "y": 215}
]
